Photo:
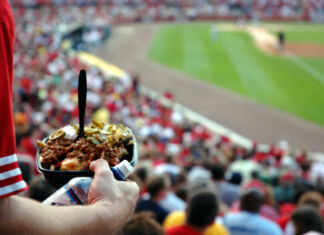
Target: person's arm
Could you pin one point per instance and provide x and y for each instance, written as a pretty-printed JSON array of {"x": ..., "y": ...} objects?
[{"x": 112, "y": 202}]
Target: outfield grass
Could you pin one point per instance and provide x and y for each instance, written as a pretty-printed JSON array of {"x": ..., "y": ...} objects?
[
  {"x": 295, "y": 85},
  {"x": 301, "y": 33},
  {"x": 309, "y": 37}
]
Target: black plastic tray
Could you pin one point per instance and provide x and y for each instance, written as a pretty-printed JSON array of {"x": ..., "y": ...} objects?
[{"x": 58, "y": 178}]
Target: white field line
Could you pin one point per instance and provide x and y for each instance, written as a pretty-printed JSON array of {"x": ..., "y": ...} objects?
[
  {"x": 305, "y": 66},
  {"x": 263, "y": 38}
]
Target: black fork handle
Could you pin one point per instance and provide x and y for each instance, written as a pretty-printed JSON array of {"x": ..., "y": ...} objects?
[{"x": 82, "y": 100}]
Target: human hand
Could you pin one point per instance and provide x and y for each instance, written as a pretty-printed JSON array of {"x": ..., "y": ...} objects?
[{"x": 119, "y": 196}]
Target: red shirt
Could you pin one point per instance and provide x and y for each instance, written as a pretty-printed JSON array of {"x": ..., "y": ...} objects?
[
  {"x": 11, "y": 181},
  {"x": 182, "y": 230}
]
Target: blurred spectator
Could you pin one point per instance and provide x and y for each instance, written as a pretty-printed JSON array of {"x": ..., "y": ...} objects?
[
  {"x": 142, "y": 224},
  {"x": 172, "y": 202},
  {"x": 284, "y": 192},
  {"x": 26, "y": 171},
  {"x": 182, "y": 192},
  {"x": 199, "y": 173},
  {"x": 178, "y": 218},
  {"x": 200, "y": 214},
  {"x": 286, "y": 209},
  {"x": 248, "y": 221},
  {"x": 157, "y": 189},
  {"x": 255, "y": 182},
  {"x": 307, "y": 219},
  {"x": 245, "y": 167},
  {"x": 228, "y": 192},
  {"x": 317, "y": 171},
  {"x": 27, "y": 174},
  {"x": 168, "y": 167},
  {"x": 267, "y": 209},
  {"x": 142, "y": 174},
  {"x": 312, "y": 199},
  {"x": 235, "y": 178},
  {"x": 40, "y": 189}
]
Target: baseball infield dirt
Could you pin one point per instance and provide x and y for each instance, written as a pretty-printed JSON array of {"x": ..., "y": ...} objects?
[
  {"x": 305, "y": 49},
  {"x": 128, "y": 48},
  {"x": 268, "y": 43}
]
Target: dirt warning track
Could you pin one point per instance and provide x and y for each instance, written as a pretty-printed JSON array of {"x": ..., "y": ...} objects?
[{"x": 128, "y": 48}]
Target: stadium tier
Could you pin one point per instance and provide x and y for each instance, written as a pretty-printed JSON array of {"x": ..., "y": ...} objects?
[{"x": 151, "y": 10}]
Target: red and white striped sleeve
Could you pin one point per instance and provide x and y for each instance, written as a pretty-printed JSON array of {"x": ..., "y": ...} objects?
[{"x": 11, "y": 181}]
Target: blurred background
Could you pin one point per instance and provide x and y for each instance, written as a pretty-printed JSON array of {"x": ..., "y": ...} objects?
[{"x": 228, "y": 92}]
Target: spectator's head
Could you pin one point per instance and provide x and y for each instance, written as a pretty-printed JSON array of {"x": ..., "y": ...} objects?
[
  {"x": 311, "y": 198},
  {"x": 169, "y": 159},
  {"x": 252, "y": 200},
  {"x": 255, "y": 174},
  {"x": 142, "y": 173},
  {"x": 142, "y": 224},
  {"x": 202, "y": 209},
  {"x": 40, "y": 189},
  {"x": 182, "y": 192},
  {"x": 306, "y": 219},
  {"x": 287, "y": 179},
  {"x": 301, "y": 189},
  {"x": 218, "y": 171},
  {"x": 157, "y": 187},
  {"x": 236, "y": 178},
  {"x": 180, "y": 179},
  {"x": 198, "y": 186}
]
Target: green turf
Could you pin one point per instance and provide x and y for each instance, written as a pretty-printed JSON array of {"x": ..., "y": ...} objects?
[
  {"x": 292, "y": 84},
  {"x": 309, "y": 37},
  {"x": 302, "y": 34}
]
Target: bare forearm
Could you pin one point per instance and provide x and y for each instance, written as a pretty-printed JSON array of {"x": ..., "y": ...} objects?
[
  {"x": 24, "y": 216},
  {"x": 112, "y": 202}
]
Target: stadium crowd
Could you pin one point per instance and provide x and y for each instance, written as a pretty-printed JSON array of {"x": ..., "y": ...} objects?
[
  {"x": 192, "y": 181},
  {"x": 157, "y": 10}
]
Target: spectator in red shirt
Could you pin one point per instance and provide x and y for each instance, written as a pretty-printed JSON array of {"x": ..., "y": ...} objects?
[
  {"x": 24, "y": 216},
  {"x": 11, "y": 181},
  {"x": 201, "y": 212}
]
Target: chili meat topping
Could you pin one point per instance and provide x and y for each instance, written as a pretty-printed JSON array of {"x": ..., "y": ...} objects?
[{"x": 108, "y": 142}]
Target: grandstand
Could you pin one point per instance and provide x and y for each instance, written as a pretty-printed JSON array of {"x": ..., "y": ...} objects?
[
  {"x": 150, "y": 10},
  {"x": 172, "y": 113}
]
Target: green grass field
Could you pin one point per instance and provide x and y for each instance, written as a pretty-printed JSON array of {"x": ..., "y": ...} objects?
[{"x": 293, "y": 84}]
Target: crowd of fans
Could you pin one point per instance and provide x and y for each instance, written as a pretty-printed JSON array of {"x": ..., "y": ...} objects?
[
  {"x": 155, "y": 10},
  {"x": 192, "y": 181}
]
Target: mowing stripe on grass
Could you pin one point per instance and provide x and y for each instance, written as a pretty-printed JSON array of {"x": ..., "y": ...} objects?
[
  {"x": 233, "y": 62},
  {"x": 309, "y": 69},
  {"x": 249, "y": 70},
  {"x": 195, "y": 53}
]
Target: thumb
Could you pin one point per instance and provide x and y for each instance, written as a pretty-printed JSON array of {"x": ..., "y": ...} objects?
[{"x": 100, "y": 167}]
